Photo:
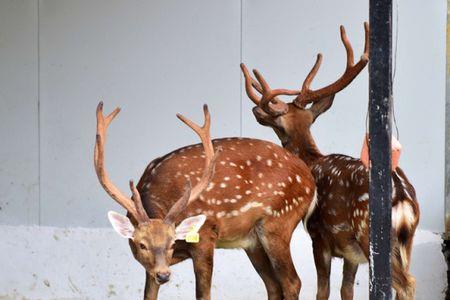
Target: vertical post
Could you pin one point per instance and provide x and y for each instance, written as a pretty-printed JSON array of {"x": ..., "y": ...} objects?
[{"x": 380, "y": 186}]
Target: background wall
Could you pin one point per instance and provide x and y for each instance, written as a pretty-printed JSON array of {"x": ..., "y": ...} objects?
[{"x": 157, "y": 58}]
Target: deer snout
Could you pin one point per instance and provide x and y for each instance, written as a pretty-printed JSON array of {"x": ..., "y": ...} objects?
[{"x": 162, "y": 277}]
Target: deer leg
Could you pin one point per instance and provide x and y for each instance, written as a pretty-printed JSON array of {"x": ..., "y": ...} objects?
[
  {"x": 276, "y": 245},
  {"x": 322, "y": 260},
  {"x": 203, "y": 259},
  {"x": 261, "y": 263},
  {"x": 348, "y": 279},
  {"x": 151, "y": 288}
]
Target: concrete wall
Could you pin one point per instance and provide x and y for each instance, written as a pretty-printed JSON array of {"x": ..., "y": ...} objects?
[{"x": 155, "y": 58}]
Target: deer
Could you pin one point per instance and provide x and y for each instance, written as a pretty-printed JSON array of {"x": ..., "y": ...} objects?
[
  {"x": 338, "y": 226},
  {"x": 248, "y": 194}
]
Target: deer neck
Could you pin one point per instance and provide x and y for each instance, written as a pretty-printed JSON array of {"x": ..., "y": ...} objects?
[{"x": 304, "y": 146}]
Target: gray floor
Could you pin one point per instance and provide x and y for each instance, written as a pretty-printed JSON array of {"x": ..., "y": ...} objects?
[{"x": 55, "y": 263}]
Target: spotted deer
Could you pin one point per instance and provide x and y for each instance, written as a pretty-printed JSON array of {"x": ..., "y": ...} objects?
[
  {"x": 339, "y": 225},
  {"x": 252, "y": 196}
]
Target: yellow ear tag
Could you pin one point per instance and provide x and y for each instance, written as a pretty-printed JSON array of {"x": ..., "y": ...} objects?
[{"x": 192, "y": 236}]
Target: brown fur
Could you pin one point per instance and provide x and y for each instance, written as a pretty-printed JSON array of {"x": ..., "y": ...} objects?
[
  {"x": 339, "y": 225},
  {"x": 251, "y": 176}
]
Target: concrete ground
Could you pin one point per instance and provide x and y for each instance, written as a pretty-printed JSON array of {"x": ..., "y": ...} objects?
[{"x": 78, "y": 263}]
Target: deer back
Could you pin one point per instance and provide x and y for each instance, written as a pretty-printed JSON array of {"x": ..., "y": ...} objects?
[{"x": 252, "y": 179}]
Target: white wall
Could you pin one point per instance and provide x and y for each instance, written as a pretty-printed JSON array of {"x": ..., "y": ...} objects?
[{"x": 156, "y": 58}]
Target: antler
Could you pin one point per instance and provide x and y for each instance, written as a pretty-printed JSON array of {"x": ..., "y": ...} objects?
[
  {"x": 268, "y": 100},
  {"x": 351, "y": 71},
  {"x": 133, "y": 206},
  {"x": 204, "y": 134}
]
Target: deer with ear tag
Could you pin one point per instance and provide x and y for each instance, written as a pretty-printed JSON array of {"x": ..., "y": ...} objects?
[
  {"x": 339, "y": 225},
  {"x": 252, "y": 196}
]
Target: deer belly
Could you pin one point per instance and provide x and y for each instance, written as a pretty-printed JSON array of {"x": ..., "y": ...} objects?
[{"x": 246, "y": 242}]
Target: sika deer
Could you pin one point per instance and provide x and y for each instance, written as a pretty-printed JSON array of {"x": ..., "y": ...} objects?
[
  {"x": 253, "y": 200},
  {"x": 339, "y": 224}
]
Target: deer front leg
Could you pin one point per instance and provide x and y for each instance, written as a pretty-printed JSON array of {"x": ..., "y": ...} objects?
[
  {"x": 348, "y": 279},
  {"x": 322, "y": 260},
  {"x": 151, "y": 288},
  {"x": 203, "y": 260}
]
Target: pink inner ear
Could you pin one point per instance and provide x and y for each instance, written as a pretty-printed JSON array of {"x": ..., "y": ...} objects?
[
  {"x": 121, "y": 224},
  {"x": 396, "y": 149}
]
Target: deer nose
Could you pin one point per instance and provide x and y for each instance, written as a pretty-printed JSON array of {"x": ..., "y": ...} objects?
[{"x": 163, "y": 277}]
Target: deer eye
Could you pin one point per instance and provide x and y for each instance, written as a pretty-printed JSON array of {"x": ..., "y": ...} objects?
[{"x": 142, "y": 246}]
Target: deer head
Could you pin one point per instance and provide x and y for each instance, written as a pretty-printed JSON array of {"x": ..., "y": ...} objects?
[
  {"x": 291, "y": 121},
  {"x": 152, "y": 240}
]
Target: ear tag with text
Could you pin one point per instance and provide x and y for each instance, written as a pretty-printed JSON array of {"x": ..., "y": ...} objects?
[{"x": 192, "y": 236}]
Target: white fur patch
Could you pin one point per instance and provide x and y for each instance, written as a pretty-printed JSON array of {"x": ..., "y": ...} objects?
[{"x": 311, "y": 209}]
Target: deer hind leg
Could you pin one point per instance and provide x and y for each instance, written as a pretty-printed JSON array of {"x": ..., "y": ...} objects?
[
  {"x": 261, "y": 263},
  {"x": 348, "y": 279},
  {"x": 275, "y": 240},
  {"x": 322, "y": 260}
]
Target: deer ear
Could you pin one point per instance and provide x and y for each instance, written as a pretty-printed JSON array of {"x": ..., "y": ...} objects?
[
  {"x": 321, "y": 106},
  {"x": 192, "y": 224},
  {"x": 121, "y": 224}
]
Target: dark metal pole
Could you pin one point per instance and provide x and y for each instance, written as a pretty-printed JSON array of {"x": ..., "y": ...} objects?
[{"x": 380, "y": 97}]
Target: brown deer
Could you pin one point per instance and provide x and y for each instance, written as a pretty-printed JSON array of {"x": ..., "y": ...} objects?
[
  {"x": 339, "y": 225},
  {"x": 253, "y": 197}
]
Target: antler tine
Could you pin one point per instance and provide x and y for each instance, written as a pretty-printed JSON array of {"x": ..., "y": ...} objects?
[
  {"x": 249, "y": 82},
  {"x": 307, "y": 83},
  {"x": 348, "y": 47},
  {"x": 99, "y": 162},
  {"x": 141, "y": 213},
  {"x": 365, "y": 55},
  {"x": 351, "y": 71},
  {"x": 205, "y": 136}
]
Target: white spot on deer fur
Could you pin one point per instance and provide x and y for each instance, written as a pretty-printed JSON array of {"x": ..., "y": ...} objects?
[
  {"x": 233, "y": 200},
  {"x": 280, "y": 165},
  {"x": 238, "y": 196},
  {"x": 226, "y": 178},
  {"x": 290, "y": 179},
  {"x": 234, "y": 213},
  {"x": 223, "y": 185},
  {"x": 248, "y": 192},
  {"x": 233, "y": 164},
  {"x": 363, "y": 197},
  {"x": 218, "y": 202},
  {"x": 260, "y": 175},
  {"x": 269, "y": 147},
  {"x": 220, "y": 214},
  {"x": 238, "y": 176},
  {"x": 222, "y": 162},
  {"x": 237, "y": 187},
  {"x": 297, "y": 177},
  {"x": 250, "y": 205},
  {"x": 210, "y": 186},
  {"x": 248, "y": 162},
  {"x": 259, "y": 195},
  {"x": 269, "y": 185},
  {"x": 307, "y": 190},
  {"x": 232, "y": 148},
  {"x": 258, "y": 158}
]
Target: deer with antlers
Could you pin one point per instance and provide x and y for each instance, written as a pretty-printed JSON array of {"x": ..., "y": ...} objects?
[
  {"x": 252, "y": 196},
  {"x": 339, "y": 225}
]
